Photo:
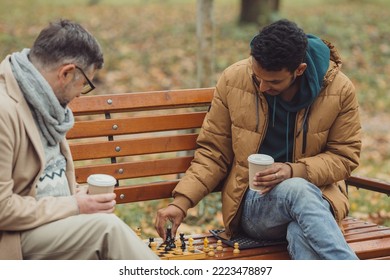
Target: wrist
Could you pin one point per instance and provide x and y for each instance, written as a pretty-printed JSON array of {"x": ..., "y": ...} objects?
[{"x": 290, "y": 173}]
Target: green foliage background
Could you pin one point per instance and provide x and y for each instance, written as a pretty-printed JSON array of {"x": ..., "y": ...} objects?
[{"x": 151, "y": 44}]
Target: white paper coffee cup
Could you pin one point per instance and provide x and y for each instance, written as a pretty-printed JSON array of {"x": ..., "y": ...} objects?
[
  {"x": 100, "y": 183},
  {"x": 258, "y": 162}
]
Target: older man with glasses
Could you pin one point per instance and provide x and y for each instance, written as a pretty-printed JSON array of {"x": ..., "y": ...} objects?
[{"x": 43, "y": 215}]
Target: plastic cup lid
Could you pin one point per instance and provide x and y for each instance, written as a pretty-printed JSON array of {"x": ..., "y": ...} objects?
[
  {"x": 261, "y": 159},
  {"x": 102, "y": 180}
]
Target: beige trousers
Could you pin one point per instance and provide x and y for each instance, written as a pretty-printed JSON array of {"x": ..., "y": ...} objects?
[{"x": 85, "y": 237}]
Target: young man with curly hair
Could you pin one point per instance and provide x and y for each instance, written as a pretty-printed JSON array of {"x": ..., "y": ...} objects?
[{"x": 289, "y": 100}]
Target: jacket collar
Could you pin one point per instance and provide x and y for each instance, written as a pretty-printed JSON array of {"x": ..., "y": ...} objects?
[
  {"x": 334, "y": 65},
  {"x": 22, "y": 107}
]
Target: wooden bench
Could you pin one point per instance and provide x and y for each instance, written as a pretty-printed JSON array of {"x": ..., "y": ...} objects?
[{"x": 146, "y": 141}]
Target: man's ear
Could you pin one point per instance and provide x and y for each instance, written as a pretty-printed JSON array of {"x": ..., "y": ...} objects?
[
  {"x": 66, "y": 73},
  {"x": 301, "y": 69}
]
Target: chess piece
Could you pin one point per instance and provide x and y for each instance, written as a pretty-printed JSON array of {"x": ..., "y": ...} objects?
[
  {"x": 153, "y": 246},
  {"x": 151, "y": 239},
  {"x": 168, "y": 235},
  {"x": 169, "y": 241},
  {"x": 205, "y": 245},
  {"x": 236, "y": 248},
  {"x": 211, "y": 253},
  {"x": 167, "y": 248},
  {"x": 191, "y": 247},
  {"x": 183, "y": 242},
  {"x": 178, "y": 250},
  {"x": 138, "y": 231},
  {"x": 173, "y": 243},
  {"x": 219, "y": 245}
]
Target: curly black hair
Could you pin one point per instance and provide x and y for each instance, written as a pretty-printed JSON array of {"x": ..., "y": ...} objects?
[{"x": 280, "y": 45}]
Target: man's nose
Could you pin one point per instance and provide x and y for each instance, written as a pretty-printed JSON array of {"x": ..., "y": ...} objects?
[{"x": 264, "y": 86}]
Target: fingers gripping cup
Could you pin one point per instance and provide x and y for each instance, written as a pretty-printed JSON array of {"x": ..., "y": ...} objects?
[
  {"x": 100, "y": 183},
  {"x": 258, "y": 162}
]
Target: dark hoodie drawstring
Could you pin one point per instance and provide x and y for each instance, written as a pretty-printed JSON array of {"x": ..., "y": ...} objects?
[
  {"x": 287, "y": 126},
  {"x": 256, "y": 84},
  {"x": 274, "y": 112},
  {"x": 304, "y": 128}
]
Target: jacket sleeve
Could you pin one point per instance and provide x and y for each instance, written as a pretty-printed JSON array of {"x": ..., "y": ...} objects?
[
  {"x": 337, "y": 155},
  {"x": 213, "y": 156},
  {"x": 19, "y": 210}
]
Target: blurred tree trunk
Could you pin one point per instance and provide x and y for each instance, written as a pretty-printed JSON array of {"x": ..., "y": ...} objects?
[
  {"x": 205, "y": 50},
  {"x": 205, "y": 36},
  {"x": 258, "y": 11}
]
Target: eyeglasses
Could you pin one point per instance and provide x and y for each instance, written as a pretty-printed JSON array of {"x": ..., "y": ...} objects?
[{"x": 88, "y": 87}]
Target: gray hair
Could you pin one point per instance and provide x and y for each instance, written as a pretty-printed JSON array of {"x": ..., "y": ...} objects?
[{"x": 65, "y": 42}]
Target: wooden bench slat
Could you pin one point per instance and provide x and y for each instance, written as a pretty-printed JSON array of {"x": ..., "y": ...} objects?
[
  {"x": 120, "y": 148},
  {"x": 361, "y": 224},
  {"x": 382, "y": 258},
  {"x": 368, "y": 235},
  {"x": 369, "y": 249},
  {"x": 112, "y": 127},
  {"x": 141, "y": 101},
  {"x": 360, "y": 230},
  {"x": 145, "y": 192},
  {"x": 351, "y": 220},
  {"x": 129, "y": 170}
]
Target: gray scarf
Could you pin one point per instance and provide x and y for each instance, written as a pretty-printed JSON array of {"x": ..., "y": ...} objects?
[{"x": 53, "y": 119}]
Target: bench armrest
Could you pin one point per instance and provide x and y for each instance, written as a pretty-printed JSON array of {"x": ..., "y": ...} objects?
[{"x": 369, "y": 184}]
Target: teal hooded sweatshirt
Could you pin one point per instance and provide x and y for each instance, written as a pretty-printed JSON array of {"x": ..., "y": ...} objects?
[{"x": 279, "y": 138}]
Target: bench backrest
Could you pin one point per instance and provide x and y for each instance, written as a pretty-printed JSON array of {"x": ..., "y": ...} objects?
[{"x": 145, "y": 140}]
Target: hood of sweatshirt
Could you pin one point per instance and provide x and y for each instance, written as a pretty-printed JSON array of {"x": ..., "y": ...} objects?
[{"x": 317, "y": 60}]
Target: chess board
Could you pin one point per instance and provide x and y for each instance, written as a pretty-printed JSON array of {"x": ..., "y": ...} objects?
[
  {"x": 245, "y": 242},
  {"x": 184, "y": 255}
]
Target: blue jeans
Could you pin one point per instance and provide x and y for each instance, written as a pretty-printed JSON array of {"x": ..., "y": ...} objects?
[{"x": 296, "y": 210}]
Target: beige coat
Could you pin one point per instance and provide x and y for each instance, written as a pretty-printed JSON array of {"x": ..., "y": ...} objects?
[
  {"x": 21, "y": 163},
  {"x": 232, "y": 131}
]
